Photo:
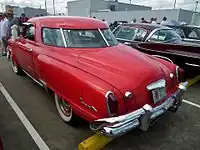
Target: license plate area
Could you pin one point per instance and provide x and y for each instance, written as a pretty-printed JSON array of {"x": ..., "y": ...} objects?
[{"x": 158, "y": 94}]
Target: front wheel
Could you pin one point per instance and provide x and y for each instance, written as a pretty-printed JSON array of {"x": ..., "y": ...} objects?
[{"x": 65, "y": 110}]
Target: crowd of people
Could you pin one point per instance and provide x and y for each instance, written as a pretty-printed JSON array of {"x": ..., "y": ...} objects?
[
  {"x": 7, "y": 21},
  {"x": 153, "y": 21}
]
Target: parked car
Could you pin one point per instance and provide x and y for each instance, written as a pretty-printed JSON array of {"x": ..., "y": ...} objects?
[
  {"x": 160, "y": 41},
  {"x": 189, "y": 33},
  {"x": 114, "y": 87}
]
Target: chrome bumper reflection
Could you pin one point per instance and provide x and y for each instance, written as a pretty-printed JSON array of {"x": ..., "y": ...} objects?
[{"x": 141, "y": 118}]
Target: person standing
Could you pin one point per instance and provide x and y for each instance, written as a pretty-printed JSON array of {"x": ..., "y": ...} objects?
[
  {"x": 11, "y": 21},
  {"x": 1, "y": 45},
  {"x": 4, "y": 30},
  {"x": 23, "y": 18},
  {"x": 153, "y": 20},
  {"x": 164, "y": 22},
  {"x": 134, "y": 20}
]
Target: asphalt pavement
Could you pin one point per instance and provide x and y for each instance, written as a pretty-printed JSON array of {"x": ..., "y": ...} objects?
[{"x": 174, "y": 131}]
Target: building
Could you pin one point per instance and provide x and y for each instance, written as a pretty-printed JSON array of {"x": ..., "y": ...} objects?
[
  {"x": 171, "y": 14},
  {"x": 87, "y": 7},
  {"x": 113, "y": 10},
  {"x": 30, "y": 12}
]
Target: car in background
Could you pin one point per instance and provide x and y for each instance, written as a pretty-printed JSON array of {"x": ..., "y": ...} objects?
[
  {"x": 189, "y": 33},
  {"x": 160, "y": 41},
  {"x": 93, "y": 76}
]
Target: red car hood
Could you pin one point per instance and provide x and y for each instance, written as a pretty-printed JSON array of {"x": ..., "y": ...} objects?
[{"x": 121, "y": 66}]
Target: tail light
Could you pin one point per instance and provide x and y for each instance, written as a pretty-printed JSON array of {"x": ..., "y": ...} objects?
[
  {"x": 112, "y": 104},
  {"x": 180, "y": 74}
]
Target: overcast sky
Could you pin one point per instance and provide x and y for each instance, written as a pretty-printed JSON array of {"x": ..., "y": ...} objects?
[{"x": 60, "y": 4}]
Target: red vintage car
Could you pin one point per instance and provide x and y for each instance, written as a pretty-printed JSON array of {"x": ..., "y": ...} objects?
[{"x": 113, "y": 86}]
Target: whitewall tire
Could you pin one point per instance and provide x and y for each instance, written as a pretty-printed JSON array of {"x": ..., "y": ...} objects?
[{"x": 64, "y": 110}]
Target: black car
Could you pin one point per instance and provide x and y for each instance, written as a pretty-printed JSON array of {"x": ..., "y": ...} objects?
[
  {"x": 160, "y": 41},
  {"x": 146, "y": 33},
  {"x": 189, "y": 33}
]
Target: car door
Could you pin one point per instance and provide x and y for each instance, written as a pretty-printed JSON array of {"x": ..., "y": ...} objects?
[{"x": 26, "y": 48}]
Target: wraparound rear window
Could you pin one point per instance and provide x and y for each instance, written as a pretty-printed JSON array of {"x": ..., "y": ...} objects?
[{"x": 83, "y": 38}]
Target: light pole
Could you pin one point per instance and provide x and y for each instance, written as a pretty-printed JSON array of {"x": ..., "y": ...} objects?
[
  {"x": 54, "y": 12},
  {"x": 196, "y": 5},
  {"x": 174, "y": 4},
  {"x": 45, "y": 5}
]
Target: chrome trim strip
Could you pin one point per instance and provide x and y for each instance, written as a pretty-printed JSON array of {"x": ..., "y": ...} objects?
[
  {"x": 191, "y": 40},
  {"x": 163, "y": 57},
  {"x": 33, "y": 78},
  {"x": 108, "y": 108},
  {"x": 164, "y": 52},
  {"x": 103, "y": 37},
  {"x": 157, "y": 84},
  {"x": 124, "y": 39},
  {"x": 63, "y": 37},
  {"x": 194, "y": 65},
  {"x": 89, "y": 106}
]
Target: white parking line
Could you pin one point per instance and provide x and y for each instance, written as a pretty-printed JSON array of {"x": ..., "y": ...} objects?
[
  {"x": 191, "y": 103},
  {"x": 36, "y": 137}
]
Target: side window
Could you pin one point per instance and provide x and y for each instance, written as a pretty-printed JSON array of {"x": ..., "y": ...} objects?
[
  {"x": 127, "y": 33},
  {"x": 154, "y": 37},
  {"x": 52, "y": 37},
  {"x": 193, "y": 35},
  {"x": 139, "y": 36},
  {"x": 30, "y": 33},
  {"x": 160, "y": 36},
  {"x": 180, "y": 32}
]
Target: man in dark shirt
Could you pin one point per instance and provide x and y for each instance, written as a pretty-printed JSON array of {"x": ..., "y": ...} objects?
[{"x": 23, "y": 18}]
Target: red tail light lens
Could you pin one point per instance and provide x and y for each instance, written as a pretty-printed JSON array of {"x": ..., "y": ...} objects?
[
  {"x": 112, "y": 104},
  {"x": 180, "y": 74}
]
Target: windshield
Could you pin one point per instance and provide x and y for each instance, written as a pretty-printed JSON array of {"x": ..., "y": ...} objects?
[{"x": 96, "y": 38}]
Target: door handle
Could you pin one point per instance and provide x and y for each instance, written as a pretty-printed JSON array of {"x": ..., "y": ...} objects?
[{"x": 30, "y": 49}]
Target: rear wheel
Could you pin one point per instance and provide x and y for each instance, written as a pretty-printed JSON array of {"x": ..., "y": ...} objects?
[
  {"x": 16, "y": 68},
  {"x": 65, "y": 110}
]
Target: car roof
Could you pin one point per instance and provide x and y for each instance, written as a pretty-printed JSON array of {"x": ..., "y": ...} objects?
[
  {"x": 147, "y": 26},
  {"x": 183, "y": 26},
  {"x": 68, "y": 22}
]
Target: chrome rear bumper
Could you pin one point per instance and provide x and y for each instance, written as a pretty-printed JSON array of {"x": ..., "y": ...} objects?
[{"x": 141, "y": 118}]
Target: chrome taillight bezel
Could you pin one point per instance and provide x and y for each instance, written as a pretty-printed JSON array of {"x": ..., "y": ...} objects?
[{"x": 111, "y": 114}]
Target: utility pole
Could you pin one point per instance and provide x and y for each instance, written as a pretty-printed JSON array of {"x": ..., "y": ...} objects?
[
  {"x": 54, "y": 11},
  {"x": 174, "y": 4},
  {"x": 130, "y": 1},
  {"x": 196, "y": 5},
  {"x": 45, "y": 5}
]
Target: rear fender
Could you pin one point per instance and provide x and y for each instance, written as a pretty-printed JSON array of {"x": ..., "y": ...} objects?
[{"x": 85, "y": 92}]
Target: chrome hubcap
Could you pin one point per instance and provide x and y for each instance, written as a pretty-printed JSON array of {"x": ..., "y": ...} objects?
[{"x": 65, "y": 107}]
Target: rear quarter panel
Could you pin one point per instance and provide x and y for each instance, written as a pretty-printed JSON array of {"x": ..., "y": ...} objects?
[{"x": 72, "y": 84}]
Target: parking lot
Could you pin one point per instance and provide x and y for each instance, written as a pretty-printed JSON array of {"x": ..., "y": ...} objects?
[{"x": 173, "y": 131}]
